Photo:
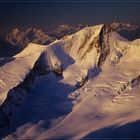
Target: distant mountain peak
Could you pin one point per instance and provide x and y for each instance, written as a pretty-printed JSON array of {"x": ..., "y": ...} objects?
[
  {"x": 65, "y": 29},
  {"x": 121, "y": 25},
  {"x": 23, "y": 38},
  {"x": 19, "y": 39}
]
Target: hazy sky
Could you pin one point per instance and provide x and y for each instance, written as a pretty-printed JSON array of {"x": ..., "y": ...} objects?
[{"x": 48, "y": 14}]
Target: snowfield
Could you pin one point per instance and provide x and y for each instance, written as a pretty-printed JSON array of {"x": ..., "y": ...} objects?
[{"x": 84, "y": 83}]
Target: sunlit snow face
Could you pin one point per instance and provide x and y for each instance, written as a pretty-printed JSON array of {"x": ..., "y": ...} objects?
[{"x": 75, "y": 90}]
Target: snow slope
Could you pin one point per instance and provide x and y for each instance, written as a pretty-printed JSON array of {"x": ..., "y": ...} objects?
[
  {"x": 107, "y": 100},
  {"x": 92, "y": 82},
  {"x": 75, "y": 54},
  {"x": 57, "y": 57},
  {"x": 14, "y": 70}
]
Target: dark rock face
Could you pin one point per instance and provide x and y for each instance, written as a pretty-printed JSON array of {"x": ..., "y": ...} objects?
[{"x": 104, "y": 48}]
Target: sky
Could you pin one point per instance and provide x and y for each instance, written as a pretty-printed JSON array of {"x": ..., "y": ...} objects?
[{"x": 48, "y": 14}]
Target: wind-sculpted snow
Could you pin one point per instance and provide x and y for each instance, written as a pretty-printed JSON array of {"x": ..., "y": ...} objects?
[{"x": 91, "y": 81}]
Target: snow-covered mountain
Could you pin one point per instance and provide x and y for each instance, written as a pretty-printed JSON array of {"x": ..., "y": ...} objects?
[
  {"x": 16, "y": 40},
  {"x": 71, "y": 88},
  {"x": 127, "y": 30},
  {"x": 65, "y": 29},
  {"x": 22, "y": 38},
  {"x": 118, "y": 26}
]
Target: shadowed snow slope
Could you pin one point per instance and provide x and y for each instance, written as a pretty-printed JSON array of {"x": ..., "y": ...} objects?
[
  {"x": 91, "y": 81},
  {"x": 14, "y": 70}
]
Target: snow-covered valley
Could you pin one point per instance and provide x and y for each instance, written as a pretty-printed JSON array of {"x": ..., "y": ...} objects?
[{"x": 72, "y": 88}]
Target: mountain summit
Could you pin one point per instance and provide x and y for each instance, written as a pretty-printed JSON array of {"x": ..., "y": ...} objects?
[
  {"x": 71, "y": 88},
  {"x": 17, "y": 40}
]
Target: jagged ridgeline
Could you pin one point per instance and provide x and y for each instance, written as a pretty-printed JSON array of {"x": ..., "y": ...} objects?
[
  {"x": 96, "y": 62},
  {"x": 16, "y": 40}
]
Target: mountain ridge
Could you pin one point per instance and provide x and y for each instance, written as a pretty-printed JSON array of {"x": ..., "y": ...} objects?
[
  {"x": 18, "y": 39},
  {"x": 92, "y": 72}
]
